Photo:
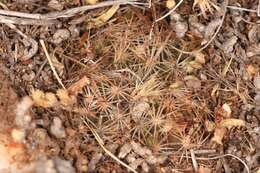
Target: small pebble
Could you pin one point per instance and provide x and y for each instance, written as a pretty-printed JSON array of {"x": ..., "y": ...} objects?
[
  {"x": 57, "y": 129},
  {"x": 63, "y": 166},
  {"x": 94, "y": 160},
  {"x": 61, "y": 35},
  {"x": 18, "y": 135}
]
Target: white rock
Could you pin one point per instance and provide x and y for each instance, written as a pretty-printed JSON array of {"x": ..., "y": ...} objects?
[
  {"x": 57, "y": 129},
  {"x": 45, "y": 166},
  {"x": 23, "y": 118},
  {"x": 63, "y": 166},
  {"x": 18, "y": 135},
  {"x": 61, "y": 35},
  {"x": 179, "y": 25}
]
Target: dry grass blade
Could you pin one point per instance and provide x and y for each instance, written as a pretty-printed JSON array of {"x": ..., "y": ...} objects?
[
  {"x": 205, "y": 5},
  {"x": 194, "y": 161},
  {"x": 101, "y": 143},
  {"x": 51, "y": 64},
  {"x": 172, "y": 10},
  {"x": 147, "y": 89},
  {"x": 223, "y": 156},
  {"x": 220, "y": 157},
  {"x": 241, "y": 9}
]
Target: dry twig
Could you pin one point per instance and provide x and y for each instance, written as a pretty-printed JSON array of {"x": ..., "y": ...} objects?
[
  {"x": 222, "y": 156},
  {"x": 69, "y": 12},
  {"x": 101, "y": 143},
  {"x": 23, "y": 21},
  {"x": 51, "y": 64}
]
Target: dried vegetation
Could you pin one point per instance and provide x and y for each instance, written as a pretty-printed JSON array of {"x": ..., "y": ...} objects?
[{"x": 124, "y": 89}]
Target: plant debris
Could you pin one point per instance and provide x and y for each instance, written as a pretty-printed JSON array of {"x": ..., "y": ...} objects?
[{"x": 129, "y": 86}]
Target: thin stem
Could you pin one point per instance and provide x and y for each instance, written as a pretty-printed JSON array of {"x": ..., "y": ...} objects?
[
  {"x": 67, "y": 13},
  {"x": 51, "y": 64},
  {"x": 169, "y": 12}
]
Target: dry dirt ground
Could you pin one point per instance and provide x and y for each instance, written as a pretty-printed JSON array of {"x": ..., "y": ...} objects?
[{"x": 123, "y": 88}]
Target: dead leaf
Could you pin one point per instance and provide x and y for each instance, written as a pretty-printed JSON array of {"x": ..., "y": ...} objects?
[
  {"x": 75, "y": 88},
  {"x": 195, "y": 65},
  {"x": 176, "y": 85},
  {"x": 104, "y": 18},
  {"x": 200, "y": 58},
  {"x": 42, "y": 99},
  {"x": 210, "y": 125},
  {"x": 219, "y": 135},
  {"x": 65, "y": 98},
  {"x": 59, "y": 66},
  {"x": 226, "y": 110},
  {"x": 232, "y": 122},
  {"x": 252, "y": 70}
]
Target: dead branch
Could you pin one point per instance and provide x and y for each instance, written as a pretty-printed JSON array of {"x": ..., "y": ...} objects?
[
  {"x": 22, "y": 21},
  {"x": 67, "y": 13}
]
